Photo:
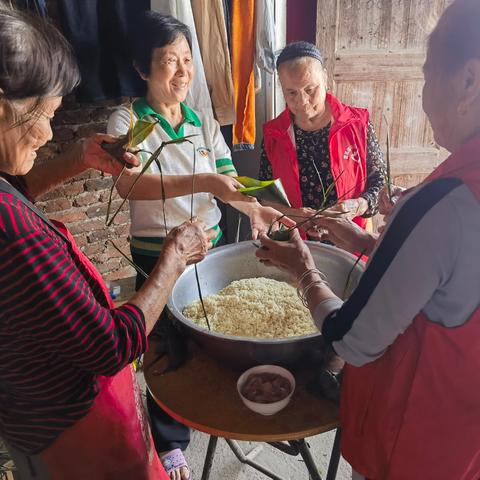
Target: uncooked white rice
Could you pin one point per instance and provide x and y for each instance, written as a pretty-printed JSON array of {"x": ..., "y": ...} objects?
[{"x": 254, "y": 307}]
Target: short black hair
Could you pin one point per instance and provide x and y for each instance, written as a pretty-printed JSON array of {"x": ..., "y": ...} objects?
[
  {"x": 153, "y": 30},
  {"x": 36, "y": 61}
]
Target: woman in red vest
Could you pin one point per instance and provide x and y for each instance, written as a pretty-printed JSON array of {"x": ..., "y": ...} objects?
[
  {"x": 410, "y": 404},
  {"x": 317, "y": 141}
]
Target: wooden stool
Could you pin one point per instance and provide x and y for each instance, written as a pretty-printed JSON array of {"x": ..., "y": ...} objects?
[{"x": 202, "y": 394}]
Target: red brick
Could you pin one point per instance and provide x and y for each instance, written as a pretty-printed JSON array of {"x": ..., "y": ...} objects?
[
  {"x": 121, "y": 274},
  {"x": 57, "y": 205},
  {"x": 74, "y": 188},
  {"x": 98, "y": 210},
  {"x": 52, "y": 195},
  {"x": 87, "y": 225},
  {"x": 73, "y": 215},
  {"x": 94, "y": 249},
  {"x": 122, "y": 230},
  {"x": 122, "y": 218},
  {"x": 80, "y": 240},
  {"x": 88, "y": 174},
  {"x": 101, "y": 183},
  {"x": 97, "y": 235},
  {"x": 85, "y": 199}
]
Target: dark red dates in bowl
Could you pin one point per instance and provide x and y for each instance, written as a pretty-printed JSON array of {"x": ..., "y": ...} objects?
[{"x": 266, "y": 389}]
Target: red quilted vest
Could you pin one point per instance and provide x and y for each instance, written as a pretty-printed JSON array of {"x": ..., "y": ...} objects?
[
  {"x": 414, "y": 413},
  {"x": 347, "y": 144}
]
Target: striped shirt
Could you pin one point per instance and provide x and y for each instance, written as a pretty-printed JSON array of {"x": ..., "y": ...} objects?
[{"x": 57, "y": 330}]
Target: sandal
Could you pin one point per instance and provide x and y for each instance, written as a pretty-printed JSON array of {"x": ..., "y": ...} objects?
[{"x": 174, "y": 460}]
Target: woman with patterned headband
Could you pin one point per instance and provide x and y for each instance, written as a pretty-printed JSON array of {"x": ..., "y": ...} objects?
[{"x": 317, "y": 141}]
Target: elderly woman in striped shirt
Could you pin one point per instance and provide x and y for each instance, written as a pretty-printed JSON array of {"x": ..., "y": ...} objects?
[{"x": 68, "y": 404}]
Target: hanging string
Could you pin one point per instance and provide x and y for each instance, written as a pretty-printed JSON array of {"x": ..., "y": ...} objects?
[{"x": 191, "y": 219}]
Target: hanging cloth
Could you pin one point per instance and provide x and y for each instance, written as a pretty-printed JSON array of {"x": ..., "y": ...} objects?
[
  {"x": 34, "y": 6},
  {"x": 97, "y": 30},
  {"x": 243, "y": 52},
  {"x": 212, "y": 38},
  {"x": 265, "y": 36}
]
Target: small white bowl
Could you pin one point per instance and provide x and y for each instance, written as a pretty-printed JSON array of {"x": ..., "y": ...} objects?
[{"x": 266, "y": 408}]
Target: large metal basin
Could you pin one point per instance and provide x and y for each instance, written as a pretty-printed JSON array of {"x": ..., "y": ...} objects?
[{"x": 234, "y": 262}]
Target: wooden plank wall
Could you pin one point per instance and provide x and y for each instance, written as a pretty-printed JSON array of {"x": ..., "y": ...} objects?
[{"x": 374, "y": 52}]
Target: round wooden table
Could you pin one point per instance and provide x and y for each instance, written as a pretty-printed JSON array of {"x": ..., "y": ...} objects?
[{"x": 202, "y": 394}]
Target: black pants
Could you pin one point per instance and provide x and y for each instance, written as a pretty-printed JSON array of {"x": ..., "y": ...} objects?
[{"x": 167, "y": 433}]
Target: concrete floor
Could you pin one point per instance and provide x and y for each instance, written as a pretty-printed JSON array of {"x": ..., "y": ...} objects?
[{"x": 227, "y": 467}]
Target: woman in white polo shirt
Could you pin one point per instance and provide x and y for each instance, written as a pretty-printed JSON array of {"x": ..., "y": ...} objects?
[{"x": 162, "y": 54}]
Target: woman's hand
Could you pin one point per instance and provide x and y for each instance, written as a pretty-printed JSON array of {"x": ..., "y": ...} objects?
[
  {"x": 300, "y": 214},
  {"x": 349, "y": 209},
  {"x": 223, "y": 187},
  {"x": 293, "y": 256},
  {"x": 385, "y": 203},
  {"x": 94, "y": 156},
  {"x": 189, "y": 242},
  {"x": 261, "y": 218},
  {"x": 345, "y": 234}
]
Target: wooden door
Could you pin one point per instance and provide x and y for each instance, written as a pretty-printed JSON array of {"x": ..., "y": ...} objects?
[{"x": 374, "y": 51}]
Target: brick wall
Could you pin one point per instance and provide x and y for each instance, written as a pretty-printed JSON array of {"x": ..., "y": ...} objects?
[{"x": 82, "y": 202}]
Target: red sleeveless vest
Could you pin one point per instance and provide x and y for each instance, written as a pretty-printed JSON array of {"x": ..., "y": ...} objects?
[
  {"x": 347, "y": 145},
  {"x": 414, "y": 413}
]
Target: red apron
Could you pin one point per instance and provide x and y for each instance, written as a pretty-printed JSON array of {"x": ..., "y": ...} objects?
[
  {"x": 415, "y": 411},
  {"x": 113, "y": 441}
]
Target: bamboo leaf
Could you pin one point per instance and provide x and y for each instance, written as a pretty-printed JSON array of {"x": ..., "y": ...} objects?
[
  {"x": 330, "y": 188},
  {"x": 388, "y": 172},
  {"x": 110, "y": 195},
  {"x": 155, "y": 155},
  {"x": 132, "y": 122},
  {"x": 132, "y": 264},
  {"x": 348, "y": 282},
  {"x": 180, "y": 139},
  {"x": 141, "y": 130},
  {"x": 266, "y": 190}
]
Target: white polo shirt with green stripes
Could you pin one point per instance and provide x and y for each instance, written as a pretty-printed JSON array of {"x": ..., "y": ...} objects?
[{"x": 212, "y": 156}]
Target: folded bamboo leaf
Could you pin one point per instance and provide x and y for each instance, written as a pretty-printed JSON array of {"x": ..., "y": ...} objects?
[
  {"x": 267, "y": 190},
  {"x": 141, "y": 130}
]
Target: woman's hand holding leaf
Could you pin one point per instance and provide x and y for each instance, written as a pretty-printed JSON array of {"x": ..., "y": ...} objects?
[
  {"x": 223, "y": 187},
  {"x": 266, "y": 219},
  {"x": 94, "y": 156},
  {"x": 189, "y": 242},
  {"x": 345, "y": 234},
  {"x": 385, "y": 202},
  {"x": 293, "y": 255},
  {"x": 349, "y": 209}
]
